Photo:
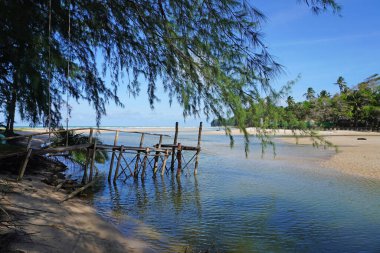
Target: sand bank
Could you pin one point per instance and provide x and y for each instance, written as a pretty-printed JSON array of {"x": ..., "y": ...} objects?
[
  {"x": 355, "y": 157},
  {"x": 206, "y": 131},
  {"x": 72, "y": 226}
]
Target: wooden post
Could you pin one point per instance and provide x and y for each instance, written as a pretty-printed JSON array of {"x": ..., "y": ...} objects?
[
  {"x": 135, "y": 173},
  {"x": 113, "y": 155},
  {"x": 174, "y": 143},
  {"x": 164, "y": 163},
  {"x": 85, "y": 177},
  {"x": 118, "y": 163},
  {"x": 23, "y": 165},
  {"x": 156, "y": 157},
  {"x": 29, "y": 143},
  {"x": 67, "y": 137},
  {"x": 26, "y": 159},
  {"x": 92, "y": 161},
  {"x": 198, "y": 149},
  {"x": 144, "y": 164},
  {"x": 179, "y": 159}
]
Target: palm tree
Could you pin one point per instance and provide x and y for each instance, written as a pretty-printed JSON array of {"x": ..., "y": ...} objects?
[
  {"x": 310, "y": 94},
  {"x": 342, "y": 84},
  {"x": 290, "y": 101},
  {"x": 324, "y": 94}
]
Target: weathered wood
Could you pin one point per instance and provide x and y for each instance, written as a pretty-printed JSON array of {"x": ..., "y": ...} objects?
[
  {"x": 67, "y": 136},
  {"x": 135, "y": 173},
  {"x": 198, "y": 149},
  {"x": 164, "y": 162},
  {"x": 79, "y": 190},
  {"x": 179, "y": 160},
  {"x": 144, "y": 164},
  {"x": 60, "y": 149},
  {"x": 85, "y": 174},
  {"x": 26, "y": 159},
  {"x": 93, "y": 161},
  {"x": 174, "y": 143},
  {"x": 113, "y": 155},
  {"x": 157, "y": 156},
  {"x": 79, "y": 129},
  {"x": 59, "y": 186},
  {"x": 29, "y": 143},
  {"x": 23, "y": 165},
  {"x": 118, "y": 164}
]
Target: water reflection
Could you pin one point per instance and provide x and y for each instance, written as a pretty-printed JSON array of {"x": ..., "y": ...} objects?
[{"x": 248, "y": 205}]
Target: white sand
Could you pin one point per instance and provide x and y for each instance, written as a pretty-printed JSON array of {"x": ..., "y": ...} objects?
[{"x": 354, "y": 157}]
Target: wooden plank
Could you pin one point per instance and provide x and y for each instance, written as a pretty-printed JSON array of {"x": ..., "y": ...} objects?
[
  {"x": 144, "y": 164},
  {"x": 198, "y": 149},
  {"x": 23, "y": 165},
  {"x": 179, "y": 160},
  {"x": 48, "y": 150},
  {"x": 118, "y": 164},
  {"x": 155, "y": 167},
  {"x": 60, "y": 149},
  {"x": 76, "y": 192},
  {"x": 113, "y": 155},
  {"x": 164, "y": 163},
  {"x": 29, "y": 143},
  {"x": 174, "y": 143},
  {"x": 131, "y": 132},
  {"x": 44, "y": 133},
  {"x": 135, "y": 173},
  {"x": 85, "y": 174},
  {"x": 93, "y": 161}
]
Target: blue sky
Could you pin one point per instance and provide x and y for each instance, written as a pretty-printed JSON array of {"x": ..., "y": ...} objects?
[{"x": 318, "y": 47}]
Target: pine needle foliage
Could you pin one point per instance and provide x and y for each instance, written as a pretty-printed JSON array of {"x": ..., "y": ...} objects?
[
  {"x": 208, "y": 55},
  {"x": 78, "y": 156}
]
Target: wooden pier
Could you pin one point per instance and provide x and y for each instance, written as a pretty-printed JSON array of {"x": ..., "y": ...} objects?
[{"x": 126, "y": 161}]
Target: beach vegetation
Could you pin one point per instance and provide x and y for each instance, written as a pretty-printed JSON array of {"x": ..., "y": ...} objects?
[
  {"x": 79, "y": 156},
  {"x": 209, "y": 56},
  {"x": 350, "y": 108}
]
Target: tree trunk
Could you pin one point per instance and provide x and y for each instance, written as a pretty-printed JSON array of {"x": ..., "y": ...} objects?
[{"x": 11, "y": 113}]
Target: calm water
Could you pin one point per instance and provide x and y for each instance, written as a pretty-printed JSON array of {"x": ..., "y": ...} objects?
[{"x": 282, "y": 204}]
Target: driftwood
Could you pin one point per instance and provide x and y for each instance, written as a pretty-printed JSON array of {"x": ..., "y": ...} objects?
[
  {"x": 79, "y": 190},
  {"x": 59, "y": 186}
]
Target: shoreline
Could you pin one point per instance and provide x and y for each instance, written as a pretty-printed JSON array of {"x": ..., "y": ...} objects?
[
  {"x": 75, "y": 226},
  {"x": 50, "y": 226},
  {"x": 355, "y": 157},
  {"x": 209, "y": 131}
]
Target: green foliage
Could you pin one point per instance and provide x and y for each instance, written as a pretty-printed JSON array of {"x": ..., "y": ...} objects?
[
  {"x": 73, "y": 138},
  {"x": 209, "y": 55},
  {"x": 355, "y": 107}
]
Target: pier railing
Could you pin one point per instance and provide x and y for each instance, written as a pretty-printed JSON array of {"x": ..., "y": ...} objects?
[{"x": 131, "y": 161}]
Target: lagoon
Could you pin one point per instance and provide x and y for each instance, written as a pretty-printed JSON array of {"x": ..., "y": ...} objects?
[{"x": 287, "y": 203}]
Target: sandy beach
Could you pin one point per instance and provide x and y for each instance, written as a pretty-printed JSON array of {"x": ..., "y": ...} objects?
[
  {"x": 49, "y": 226},
  {"x": 357, "y": 157}
]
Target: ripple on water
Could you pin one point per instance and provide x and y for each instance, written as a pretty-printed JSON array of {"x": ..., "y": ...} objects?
[{"x": 248, "y": 205}]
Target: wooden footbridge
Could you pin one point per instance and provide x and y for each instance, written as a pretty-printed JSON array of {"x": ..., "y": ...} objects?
[{"x": 126, "y": 161}]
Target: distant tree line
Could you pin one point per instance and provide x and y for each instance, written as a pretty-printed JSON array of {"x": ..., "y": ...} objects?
[{"x": 355, "y": 107}]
